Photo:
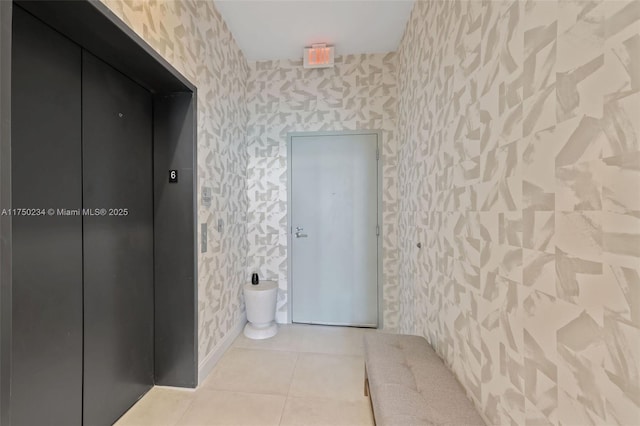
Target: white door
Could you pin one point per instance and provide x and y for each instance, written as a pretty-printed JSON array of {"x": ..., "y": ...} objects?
[{"x": 333, "y": 219}]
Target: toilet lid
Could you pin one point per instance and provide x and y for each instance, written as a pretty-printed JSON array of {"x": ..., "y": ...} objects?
[{"x": 262, "y": 286}]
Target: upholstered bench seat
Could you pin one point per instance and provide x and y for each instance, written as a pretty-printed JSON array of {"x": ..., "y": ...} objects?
[{"x": 410, "y": 385}]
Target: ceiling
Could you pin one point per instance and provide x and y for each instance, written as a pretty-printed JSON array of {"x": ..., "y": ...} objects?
[{"x": 277, "y": 29}]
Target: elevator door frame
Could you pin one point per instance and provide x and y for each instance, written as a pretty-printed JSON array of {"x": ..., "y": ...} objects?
[{"x": 90, "y": 24}]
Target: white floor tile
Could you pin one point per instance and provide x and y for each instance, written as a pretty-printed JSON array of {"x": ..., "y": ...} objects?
[
  {"x": 317, "y": 370},
  {"x": 310, "y": 338},
  {"x": 212, "y": 407},
  {"x": 328, "y": 376},
  {"x": 331, "y": 340},
  {"x": 251, "y": 370},
  {"x": 285, "y": 340},
  {"x": 323, "y": 412},
  {"x": 159, "y": 407}
]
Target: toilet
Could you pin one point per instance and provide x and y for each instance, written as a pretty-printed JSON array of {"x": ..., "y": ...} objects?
[{"x": 260, "y": 301}]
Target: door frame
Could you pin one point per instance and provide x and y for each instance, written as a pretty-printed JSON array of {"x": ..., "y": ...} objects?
[
  {"x": 380, "y": 276},
  {"x": 93, "y": 26}
]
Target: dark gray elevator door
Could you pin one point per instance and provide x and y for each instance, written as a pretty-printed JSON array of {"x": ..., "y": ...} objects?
[
  {"x": 46, "y": 374},
  {"x": 118, "y": 247}
]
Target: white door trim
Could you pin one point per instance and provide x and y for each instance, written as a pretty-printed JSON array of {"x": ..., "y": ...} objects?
[{"x": 381, "y": 283}]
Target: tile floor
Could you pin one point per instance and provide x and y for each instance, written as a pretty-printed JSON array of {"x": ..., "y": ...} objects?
[{"x": 305, "y": 375}]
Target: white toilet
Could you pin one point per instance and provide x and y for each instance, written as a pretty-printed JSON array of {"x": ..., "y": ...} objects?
[{"x": 260, "y": 301}]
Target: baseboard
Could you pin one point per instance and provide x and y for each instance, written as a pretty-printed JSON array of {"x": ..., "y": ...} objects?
[
  {"x": 214, "y": 356},
  {"x": 175, "y": 388}
]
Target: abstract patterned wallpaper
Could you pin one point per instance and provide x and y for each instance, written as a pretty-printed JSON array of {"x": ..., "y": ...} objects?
[
  {"x": 358, "y": 94},
  {"x": 519, "y": 172},
  {"x": 192, "y": 36}
]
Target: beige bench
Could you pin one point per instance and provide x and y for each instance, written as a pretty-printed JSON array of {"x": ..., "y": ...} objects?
[{"x": 409, "y": 384}]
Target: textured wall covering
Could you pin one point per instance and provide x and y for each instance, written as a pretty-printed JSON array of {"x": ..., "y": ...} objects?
[
  {"x": 192, "y": 36},
  {"x": 358, "y": 94},
  {"x": 519, "y": 171}
]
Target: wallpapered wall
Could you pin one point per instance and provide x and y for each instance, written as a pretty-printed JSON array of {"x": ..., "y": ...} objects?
[
  {"x": 358, "y": 94},
  {"x": 192, "y": 36},
  {"x": 519, "y": 171}
]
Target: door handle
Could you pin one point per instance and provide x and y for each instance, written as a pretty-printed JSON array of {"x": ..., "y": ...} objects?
[{"x": 298, "y": 233}]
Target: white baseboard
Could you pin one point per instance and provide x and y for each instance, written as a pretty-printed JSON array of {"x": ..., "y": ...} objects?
[
  {"x": 214, "y": 356},
  {"x": 175, "y": 388}
]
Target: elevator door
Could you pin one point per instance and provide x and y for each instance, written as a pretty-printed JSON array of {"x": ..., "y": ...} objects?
[
  {"x": 46, "y": 372},
  {"x": 118, "y": 241},
  {"x": 83, "y": 272}
]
